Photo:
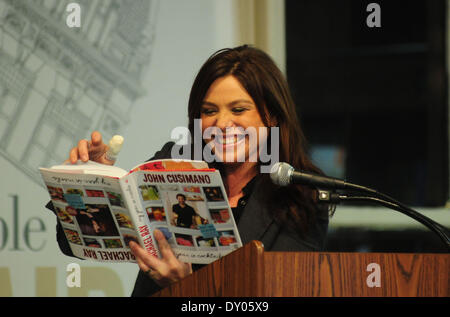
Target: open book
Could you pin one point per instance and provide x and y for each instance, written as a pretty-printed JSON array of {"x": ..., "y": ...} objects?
[{"x": 101, "y": 208}]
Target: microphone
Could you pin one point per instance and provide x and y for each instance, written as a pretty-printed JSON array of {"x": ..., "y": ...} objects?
[{"x": 284, "y": 174}]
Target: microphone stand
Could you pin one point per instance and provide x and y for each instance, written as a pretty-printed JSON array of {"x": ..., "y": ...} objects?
[{"x": 333, "y": 197}]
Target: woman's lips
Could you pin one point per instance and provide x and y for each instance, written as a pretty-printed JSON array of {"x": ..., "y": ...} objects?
[
  {"x": 228, "y": 142},
  {"x": 229, "y": 139}
]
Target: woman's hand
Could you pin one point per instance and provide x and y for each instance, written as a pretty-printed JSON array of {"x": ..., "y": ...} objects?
[
  {"x": 164, "y": 271},
  {"x": 94, "y": 150}
]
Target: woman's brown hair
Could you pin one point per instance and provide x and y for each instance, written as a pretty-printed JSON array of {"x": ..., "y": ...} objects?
[{"x": 266, "y": 84}]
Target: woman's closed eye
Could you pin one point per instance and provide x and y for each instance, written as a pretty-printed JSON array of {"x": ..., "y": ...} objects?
[
  {"x": 208, "y": 111},
  {"x": 238, "y": 110}
]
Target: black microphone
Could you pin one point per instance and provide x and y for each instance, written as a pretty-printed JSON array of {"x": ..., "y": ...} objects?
[{"x": 284, "y": 174}]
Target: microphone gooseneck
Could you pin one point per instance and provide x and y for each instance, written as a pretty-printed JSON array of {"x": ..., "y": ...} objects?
[{"x": 284, "y": 174}]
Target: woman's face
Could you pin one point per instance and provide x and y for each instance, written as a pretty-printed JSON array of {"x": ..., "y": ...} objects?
[{"x": 227, "y": 111}]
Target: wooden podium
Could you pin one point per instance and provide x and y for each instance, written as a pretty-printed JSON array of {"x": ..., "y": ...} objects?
[{"x": 252, "y": 272}]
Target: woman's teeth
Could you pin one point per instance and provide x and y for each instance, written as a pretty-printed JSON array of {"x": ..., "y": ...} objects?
[{"x": 228, "y": 139}]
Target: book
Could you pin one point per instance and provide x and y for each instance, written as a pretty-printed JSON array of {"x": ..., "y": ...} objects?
[{"x": 102, "y": 208}]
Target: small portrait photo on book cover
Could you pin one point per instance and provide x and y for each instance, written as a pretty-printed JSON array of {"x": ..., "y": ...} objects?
[{"x": 186, "y": 213}]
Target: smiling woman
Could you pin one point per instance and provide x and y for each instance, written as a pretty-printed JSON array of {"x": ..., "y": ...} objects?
[
  {"x": 239, "y": 90},
  {"x": 230, "y": 110},
  {"x": 242, "y": 88}
]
